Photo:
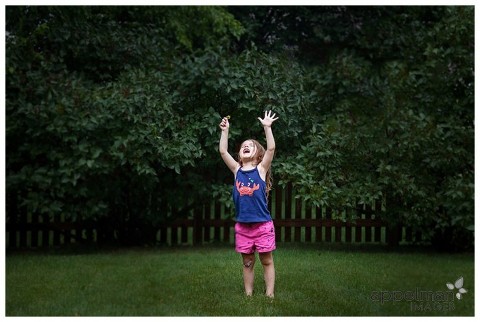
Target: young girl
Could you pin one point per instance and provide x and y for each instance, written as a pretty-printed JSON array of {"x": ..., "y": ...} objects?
[{"x": 254, "y": 229}]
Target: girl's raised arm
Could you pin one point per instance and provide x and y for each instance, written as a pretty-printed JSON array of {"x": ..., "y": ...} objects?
[
  {"x": 223, "y": 147},
  {"x": 267, "y": 122}
]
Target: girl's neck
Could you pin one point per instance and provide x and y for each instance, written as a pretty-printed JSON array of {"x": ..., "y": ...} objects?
[{"x": 249, "y": 165}]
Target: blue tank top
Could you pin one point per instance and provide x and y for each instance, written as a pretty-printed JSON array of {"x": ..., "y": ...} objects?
[{"x": 250, "y": 198}]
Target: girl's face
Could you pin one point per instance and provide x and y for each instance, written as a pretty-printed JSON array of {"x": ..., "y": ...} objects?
[{"x": 247, "y": 150}]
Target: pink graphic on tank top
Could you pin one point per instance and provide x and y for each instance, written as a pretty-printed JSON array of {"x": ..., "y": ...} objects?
[{"x": 246, "y": 191}]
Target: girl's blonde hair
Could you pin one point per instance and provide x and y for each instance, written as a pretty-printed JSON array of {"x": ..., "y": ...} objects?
[{"x": 260, "y": 152}]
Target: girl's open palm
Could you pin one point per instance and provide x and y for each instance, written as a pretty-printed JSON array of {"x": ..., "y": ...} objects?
[{"x": 268, "y": 119}]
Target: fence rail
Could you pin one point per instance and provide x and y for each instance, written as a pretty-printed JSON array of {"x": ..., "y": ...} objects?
[{"x": 295, "y": 221}]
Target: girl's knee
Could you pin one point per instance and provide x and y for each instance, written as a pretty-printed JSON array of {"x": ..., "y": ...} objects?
[
  {"x": 248, "y": 260},
  {"x": 266, "y": 258}
]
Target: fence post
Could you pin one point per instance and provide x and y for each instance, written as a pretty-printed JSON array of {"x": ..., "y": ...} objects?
[
  {"x": 278, "y": 212},
  {"x": 378, "y": 230},
  {"x": 226, "y": 231},
  {"x": 318, "y": 228},
  {"x": 24, "y": 225},
  {"x": 308, "y": 229},
  {"x": 328, "y": 229},
  {"x": 368, "y": 230},
  {"x": 394, "y": 234},
  {"x": 197, "y": 226},
  {"x": 216, "y": 217},
  {"x": 348, "y": 226},
  {"x": 298, "y": 215},
  {"x": 11, "y": 218},
  {"x": 288, "y": 211}
]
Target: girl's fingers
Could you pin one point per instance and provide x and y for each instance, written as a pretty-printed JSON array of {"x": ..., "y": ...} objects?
[
  {"x": 224, "y": 122},
  {"x": 270, "y": 115}
]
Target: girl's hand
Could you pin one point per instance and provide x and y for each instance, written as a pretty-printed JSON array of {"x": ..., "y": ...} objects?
[
  {"x": 268, "y": 119},
  {"x": 224, "y": 125}
]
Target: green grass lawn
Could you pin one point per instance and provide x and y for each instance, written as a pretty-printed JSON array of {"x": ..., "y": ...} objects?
[{"x": 311, "y": 281}]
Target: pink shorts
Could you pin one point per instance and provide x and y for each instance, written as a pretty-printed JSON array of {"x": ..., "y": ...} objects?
[{"x": 253, "y": 237}]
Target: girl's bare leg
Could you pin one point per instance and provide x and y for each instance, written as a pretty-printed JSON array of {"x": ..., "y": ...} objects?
[
  {"x": 248, "y": 272},
  {"x": 269, "y": 272}
]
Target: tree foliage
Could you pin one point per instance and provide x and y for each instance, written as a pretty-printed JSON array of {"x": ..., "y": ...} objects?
[
  {"x": 113, "y": 112},
  {"x": 394, "y": 87}
]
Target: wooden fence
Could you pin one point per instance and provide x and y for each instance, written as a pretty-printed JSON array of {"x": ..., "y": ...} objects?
[{"x": 295, "y": 221}]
